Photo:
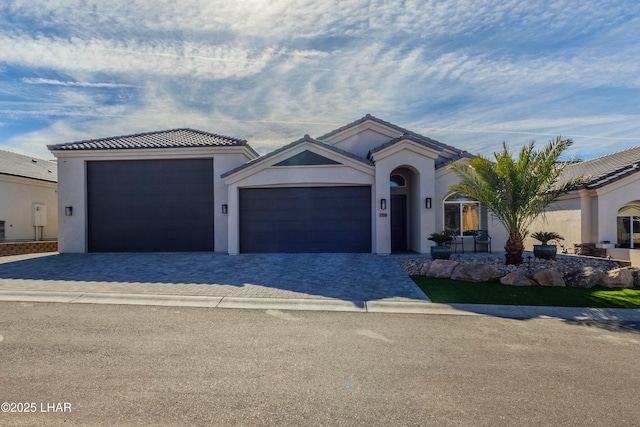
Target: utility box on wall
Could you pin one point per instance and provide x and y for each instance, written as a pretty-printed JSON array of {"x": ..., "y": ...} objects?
[{"x": 39, "y": 215}]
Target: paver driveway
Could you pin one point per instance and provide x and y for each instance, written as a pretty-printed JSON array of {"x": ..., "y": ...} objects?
[{"x": 350, "y": 277}]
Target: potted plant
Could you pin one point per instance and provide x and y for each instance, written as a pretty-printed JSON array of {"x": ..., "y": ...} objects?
[
  {"x": 545, "y": 250},
  {"x": 440, "y": 251}
]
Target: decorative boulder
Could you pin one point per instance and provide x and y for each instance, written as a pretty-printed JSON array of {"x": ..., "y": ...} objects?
[
  {"x": 584, "y": 277},
  {"x": 617, "y": 278},
  {"x": 441, "y": 268},
  {"x": 549, "y": 277},
  {"x": 517, "y": 278},
  {"x": 476, "y": 273},
  {"x": 636, "y": 277},
  {"x": 425, "y": 268}
]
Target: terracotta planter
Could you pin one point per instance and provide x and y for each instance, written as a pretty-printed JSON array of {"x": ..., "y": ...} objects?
[
  {"x": 545, "y": 251},
  {"x": 440, "y": 252}
]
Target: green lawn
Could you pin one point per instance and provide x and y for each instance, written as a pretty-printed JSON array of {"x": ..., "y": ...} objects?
[{"x": 452, "y": 291}]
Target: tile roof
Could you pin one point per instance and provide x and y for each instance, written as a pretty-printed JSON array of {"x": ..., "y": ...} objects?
[
  {"x": 605, "y": 169},
  {"x": 448, "y": 153},
  {"x": 174, "y": 138},
  {"x": 28, "y": 167},
  {"x": 306, "y": 138}
]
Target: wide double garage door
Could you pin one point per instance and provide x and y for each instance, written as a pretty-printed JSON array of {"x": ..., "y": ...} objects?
[
  {"x": 150, "y": 205},
  {"x": 305, "y": 219}
]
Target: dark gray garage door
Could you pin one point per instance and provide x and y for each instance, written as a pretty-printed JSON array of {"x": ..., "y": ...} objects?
[
  {"x": 305, "y": 219},
  {"x": 150, "y": 205}
]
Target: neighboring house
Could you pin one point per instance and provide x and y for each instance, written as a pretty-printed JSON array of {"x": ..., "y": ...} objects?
[
  {"x": 28, "y": 198},
  {"x": 370, "y": 186},
  {"x": 605, "y": 211}
]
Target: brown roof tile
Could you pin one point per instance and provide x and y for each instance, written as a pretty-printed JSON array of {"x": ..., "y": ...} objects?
[{"x": 161, "y": 139}]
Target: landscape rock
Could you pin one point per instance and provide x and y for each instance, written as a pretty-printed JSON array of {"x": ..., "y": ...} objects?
[
  {"x": 517, "y": 278},
  {"x": 441, "y": 268},
  {"x": 576, "y": 271},
  {"x": 476, "y": 273},
  {"x": 414, "y": 266},
  {"x": 425, "y": 268},
  {"x": 636, "y": 277},
  {"x": 549, "y": 277},
  {"x": 584, "y": 277},
  {"x": 617, "y": 278}
]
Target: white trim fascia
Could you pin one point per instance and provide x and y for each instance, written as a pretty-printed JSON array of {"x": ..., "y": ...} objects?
[
  {"x": 444, "y": 170},
  {"x": 13, "y": 179},
  {"x": 402, "y": 145},
  {"x": 309, "y": 184},
  {"x": 359, "y": 128},
  {"x": 608, "y": 188},
  {"x": 616, "y": 185},
  {"x": 154, "y": 153},
  {"x": 269, "y": 163}
]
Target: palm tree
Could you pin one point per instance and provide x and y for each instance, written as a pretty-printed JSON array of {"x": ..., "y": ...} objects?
[{"x": 516, "y": 191}]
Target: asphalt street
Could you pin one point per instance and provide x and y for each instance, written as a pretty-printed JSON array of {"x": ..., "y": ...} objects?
[{"x": 106, "y": 365}]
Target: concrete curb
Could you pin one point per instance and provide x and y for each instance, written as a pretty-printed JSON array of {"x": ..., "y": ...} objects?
[
  {"x": 302, "y": 304},
  {"x": 293, "y": 304}
]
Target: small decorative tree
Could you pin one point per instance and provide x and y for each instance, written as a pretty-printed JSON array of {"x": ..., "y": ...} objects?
[
  {"x": 440, "y": 239},
  {"x": 545, "y": 250},
  {"x": 517, "y": 191},
  {"x": 440, "y": 251},
  {"x": 545, "y": 236}
]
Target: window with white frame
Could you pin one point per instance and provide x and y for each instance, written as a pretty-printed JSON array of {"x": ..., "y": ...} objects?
[
  {"x": 461, "y": 215},
  {"x": 629, "y": 226}
]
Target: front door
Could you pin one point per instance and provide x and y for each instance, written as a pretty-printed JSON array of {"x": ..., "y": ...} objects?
[{"x": 398, "y": 222}]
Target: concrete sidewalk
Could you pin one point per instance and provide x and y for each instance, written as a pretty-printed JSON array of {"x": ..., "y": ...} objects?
[{"x": 362, "y": 283}]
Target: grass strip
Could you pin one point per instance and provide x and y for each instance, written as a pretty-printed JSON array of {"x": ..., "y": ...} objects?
[{"x": 453, "y": 291}]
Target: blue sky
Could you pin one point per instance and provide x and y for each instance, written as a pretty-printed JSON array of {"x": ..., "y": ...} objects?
[{"x": 469, "y": 73}]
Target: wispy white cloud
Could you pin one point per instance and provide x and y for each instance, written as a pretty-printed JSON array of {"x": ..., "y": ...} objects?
[
  {"x": 469, "y": 72},
  {"x": 109, "y": 56},
  {"x": 41, "y": 81}
]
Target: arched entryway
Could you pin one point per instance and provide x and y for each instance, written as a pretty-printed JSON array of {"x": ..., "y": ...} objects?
[{"x": 400, "y": 183}]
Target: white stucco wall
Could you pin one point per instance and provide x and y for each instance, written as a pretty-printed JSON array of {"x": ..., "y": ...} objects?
[
  {"x": 564, "y": 217},
  {"x": 222, "y": 164},
  {"x": 17, "y": 198},
  {"x": 71, "y": 193}
]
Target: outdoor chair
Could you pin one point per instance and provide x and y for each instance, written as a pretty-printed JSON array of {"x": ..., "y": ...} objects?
[
  {"x": 481, "y": 237},
  {"x": 456, "y": 242}
]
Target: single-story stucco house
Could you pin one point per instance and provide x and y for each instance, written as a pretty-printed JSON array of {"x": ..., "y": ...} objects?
[
  {"x": 370, "y": 187},
  {"x": 28, "y": 198}
]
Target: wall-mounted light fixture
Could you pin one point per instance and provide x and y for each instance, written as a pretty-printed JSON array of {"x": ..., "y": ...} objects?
[
  {"x": 68, "y": 211},
  {"x": 225, "y": 209},
  {"x": 428, "y": 202},
  {"x": 383, "y": 204}
]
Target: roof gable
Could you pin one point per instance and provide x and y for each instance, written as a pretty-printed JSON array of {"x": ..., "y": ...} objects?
[
  {"x": 174, "y": 138},
  {"x": 306, "y": 140},
  {"x": 434, "y": 149},
  {"x": 15, "y": 164},
  {"x": 370, "y": 134}
]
